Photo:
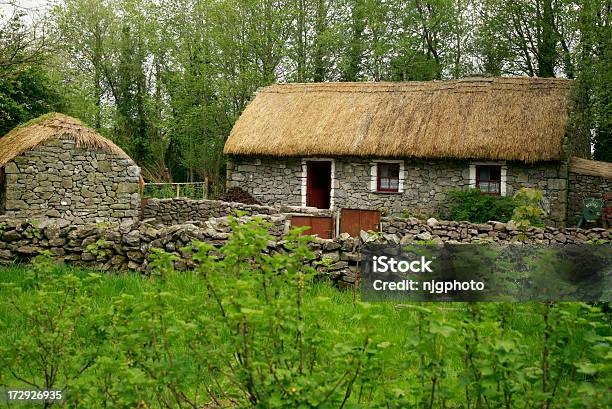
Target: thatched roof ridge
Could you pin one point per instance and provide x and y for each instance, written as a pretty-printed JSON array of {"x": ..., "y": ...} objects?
[
  {"x": 490, "y": 118},
  {"x": 590, "y": 167},
  {"x": 53, "y": 125}
]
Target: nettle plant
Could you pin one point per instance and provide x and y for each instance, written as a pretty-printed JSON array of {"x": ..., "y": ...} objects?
[
  {"x": 273, "y": 356},
  {"x": 52, "y": 351}
]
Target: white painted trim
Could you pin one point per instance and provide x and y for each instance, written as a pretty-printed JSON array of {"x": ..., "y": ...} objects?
[
  {"x": 504, "y": 174},
  {"x": 374, "y": 169},
  {"x": 304, "y": 179},
  {"x": 472, "y": 179},
  {"x": 303, "y": 182}
]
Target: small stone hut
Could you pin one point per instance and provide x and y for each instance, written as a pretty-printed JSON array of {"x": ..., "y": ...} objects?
[
  {"x": 400, "y": 146},
  {"x": 56, "y": 167}
]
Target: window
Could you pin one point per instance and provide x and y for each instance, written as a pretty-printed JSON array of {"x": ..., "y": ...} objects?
[
  {"x": 387, "y": 177},
  {"x": 488, "y": 179}
]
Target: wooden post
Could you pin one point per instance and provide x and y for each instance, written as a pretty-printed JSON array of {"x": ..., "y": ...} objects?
[{"x": 178, "y": 187}]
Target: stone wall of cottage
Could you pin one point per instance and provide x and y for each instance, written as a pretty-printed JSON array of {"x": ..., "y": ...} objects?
[
  {"x": 424, "y": 184},
  {"x": 58, "y": 180},
  {"x": 270, "y": 181},
  {"x": 275, "y": 181},
  {"x": 182, "y": 210},
  {"x": 584, "y": 186}
]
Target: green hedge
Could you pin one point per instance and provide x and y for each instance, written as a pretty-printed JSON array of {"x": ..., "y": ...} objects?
[{"x": 473, "y": 206}]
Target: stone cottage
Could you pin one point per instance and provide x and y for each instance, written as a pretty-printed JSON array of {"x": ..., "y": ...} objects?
[
  {"x": 400, "y": 146},
  {"x": 54, "y": 166}
]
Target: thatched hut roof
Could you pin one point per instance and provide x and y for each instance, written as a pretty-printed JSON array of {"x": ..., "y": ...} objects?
[
  {"x": 591, "y": 167},
  {"x": 53, "y": 125},
  {"x": 494, "y": 118}
]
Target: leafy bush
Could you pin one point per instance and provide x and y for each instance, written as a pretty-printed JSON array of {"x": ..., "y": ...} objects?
[
  {"x": 475, "y": 207},
  {"x": 527, "y": 211}
]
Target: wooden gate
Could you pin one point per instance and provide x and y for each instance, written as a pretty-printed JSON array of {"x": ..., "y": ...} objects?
[
  {"x": 352, "y": 221},
  {"x": 323, "y": 226}
]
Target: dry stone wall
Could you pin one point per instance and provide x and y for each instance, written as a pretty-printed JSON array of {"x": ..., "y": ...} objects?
[
  {"x": 129, "y": 245},
  {"x": 59, "y": 180},
  {"x": 182, "y": 210},
  {"x": 406, "y": 230}
]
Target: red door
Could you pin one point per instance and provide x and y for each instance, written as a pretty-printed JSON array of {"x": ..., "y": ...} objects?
[
  {"x": 318, "y": 184},
  {"x": 352, "y": 221},
  {"x": 322, "y": 226}
]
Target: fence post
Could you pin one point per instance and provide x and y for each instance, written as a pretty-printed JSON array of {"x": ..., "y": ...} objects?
[
  {"x": 178, "y": 187},
  {"x": 205, "y": 188}
]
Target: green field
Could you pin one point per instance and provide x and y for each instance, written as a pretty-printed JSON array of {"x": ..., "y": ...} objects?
[{"x": 255, "y": 329}]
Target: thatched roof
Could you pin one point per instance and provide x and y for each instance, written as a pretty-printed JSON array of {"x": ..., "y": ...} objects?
[
  {"x": 53, "y": 125},
  {"x": 494, "y": 118},
  {"x": 590, "y": 167}
]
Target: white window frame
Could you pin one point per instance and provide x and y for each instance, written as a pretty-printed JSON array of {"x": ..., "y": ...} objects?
[
  {"x": 304, "y": 179},
  {"x": 504, "y": 173},
  {"x": 374, "y": 176}
]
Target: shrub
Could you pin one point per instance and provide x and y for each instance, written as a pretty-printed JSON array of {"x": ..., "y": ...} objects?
[
  {"x": 527, "y": 211},
  {"x": 473, "y": 206}
]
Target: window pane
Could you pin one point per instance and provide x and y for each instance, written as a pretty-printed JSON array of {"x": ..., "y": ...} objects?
[
  {"x": 483, "y": 173},
  {"x": 495, "y": 173},
  {"x": 489, "y": 172},
  {"x": 394, "y": 170},
  {"x": 388, "y": 176},
  {"x": 384, "y": 170},
  {"x": 489, "y": 187}
]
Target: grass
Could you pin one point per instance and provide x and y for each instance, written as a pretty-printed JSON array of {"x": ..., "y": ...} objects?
[
  {"x": 340, "y": 318},
  {"x": 390, "y": 323}
]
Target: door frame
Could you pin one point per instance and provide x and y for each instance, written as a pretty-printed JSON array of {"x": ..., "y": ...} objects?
[{"x": 304, "y": 179}]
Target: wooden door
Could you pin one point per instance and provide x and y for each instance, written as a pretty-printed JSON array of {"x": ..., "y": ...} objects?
[
  {"x": 352, "y": 221},
  {"x": 321, "y": 226},
  {"x": 318, "y": 184}
]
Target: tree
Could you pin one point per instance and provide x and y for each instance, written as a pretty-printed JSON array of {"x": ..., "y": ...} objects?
[
  {"x": 25, "y": 94},
  {"x": 27, "y": 89},
  {"x": 352, "y": 64}
]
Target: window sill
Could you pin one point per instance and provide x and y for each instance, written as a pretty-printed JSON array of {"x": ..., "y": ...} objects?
[{"x": 384, "y": 192}]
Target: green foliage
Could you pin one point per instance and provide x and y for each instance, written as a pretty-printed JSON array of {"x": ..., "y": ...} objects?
[
  {"x": 168, "y": 190},
  {"x": 471, "y": 205},
  {"x": 248, "y": 329},
  {"x": 50, "y": 351},
  {"x": 527, "y": 211},
  {"x": 26, "y": 94},
  {"x": 97, "y": 248}
]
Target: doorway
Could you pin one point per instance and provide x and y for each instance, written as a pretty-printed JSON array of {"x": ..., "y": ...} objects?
[{"x": 318, "y": 184}]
